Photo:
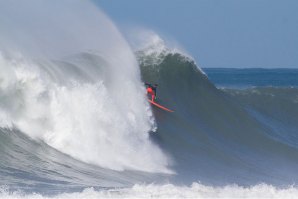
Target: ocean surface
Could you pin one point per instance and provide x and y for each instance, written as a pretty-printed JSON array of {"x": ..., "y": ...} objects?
[
  {"x": 253, "y": 77},
  {"x": 75, "y": 121}
]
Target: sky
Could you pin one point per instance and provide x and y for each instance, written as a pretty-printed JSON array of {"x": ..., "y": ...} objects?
[{"x": 218, "y": 33}]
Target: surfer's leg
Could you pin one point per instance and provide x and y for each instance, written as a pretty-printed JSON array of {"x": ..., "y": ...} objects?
[{"x": 152, "y": 97}]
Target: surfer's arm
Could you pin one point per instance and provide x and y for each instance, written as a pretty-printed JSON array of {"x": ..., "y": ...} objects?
[{"x": 154, "y": 89}]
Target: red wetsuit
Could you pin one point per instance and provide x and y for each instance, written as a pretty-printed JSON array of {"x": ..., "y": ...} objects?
[{"x": 151, "y": 92}]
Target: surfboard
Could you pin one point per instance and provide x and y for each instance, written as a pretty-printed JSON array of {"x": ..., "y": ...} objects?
[{"x": 160, "y": 106}]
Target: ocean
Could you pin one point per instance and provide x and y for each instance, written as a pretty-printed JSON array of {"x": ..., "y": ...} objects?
[
  {"x": 76, "y": 123},
  {"x": 253, "y": 77}
]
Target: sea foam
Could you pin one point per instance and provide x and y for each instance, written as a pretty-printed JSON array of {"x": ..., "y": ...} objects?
[
  {"x": 196, "y": 190},
  {"x": 78, "y": 89}
]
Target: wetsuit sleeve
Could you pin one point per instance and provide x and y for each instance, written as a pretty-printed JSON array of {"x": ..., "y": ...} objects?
[{"x": 154, "y": 89}]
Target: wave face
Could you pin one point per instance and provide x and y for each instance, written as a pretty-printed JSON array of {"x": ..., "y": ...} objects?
[{"x": 222, "y": 136}]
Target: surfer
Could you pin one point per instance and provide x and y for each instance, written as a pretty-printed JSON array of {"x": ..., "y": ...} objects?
[{"x": 151, "y": 89}]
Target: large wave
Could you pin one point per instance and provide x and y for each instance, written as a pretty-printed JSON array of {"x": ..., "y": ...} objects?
[
  {"x": 80, "y": 92},
  {"x": 215, "y": 133},
  {"x": 84, "y": 100}
]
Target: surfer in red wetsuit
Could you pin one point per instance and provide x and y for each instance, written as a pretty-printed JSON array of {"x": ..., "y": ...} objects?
[{"x": 151, "y": 89}]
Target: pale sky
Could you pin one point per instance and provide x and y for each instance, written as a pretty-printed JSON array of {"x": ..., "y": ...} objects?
[{"x": 219, "y": 33}]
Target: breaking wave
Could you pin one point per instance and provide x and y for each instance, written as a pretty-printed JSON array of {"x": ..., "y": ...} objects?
[{"x": 74, "y": 115}]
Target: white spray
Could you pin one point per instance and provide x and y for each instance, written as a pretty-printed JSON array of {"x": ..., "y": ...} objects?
[{"x": 93, "y": 106}]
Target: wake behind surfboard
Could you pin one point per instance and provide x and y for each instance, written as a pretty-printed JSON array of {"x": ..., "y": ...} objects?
[{"x": 160, "y": 106}]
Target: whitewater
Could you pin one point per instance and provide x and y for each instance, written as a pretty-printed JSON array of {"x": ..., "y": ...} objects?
[{"x": 75, "y": 121}]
